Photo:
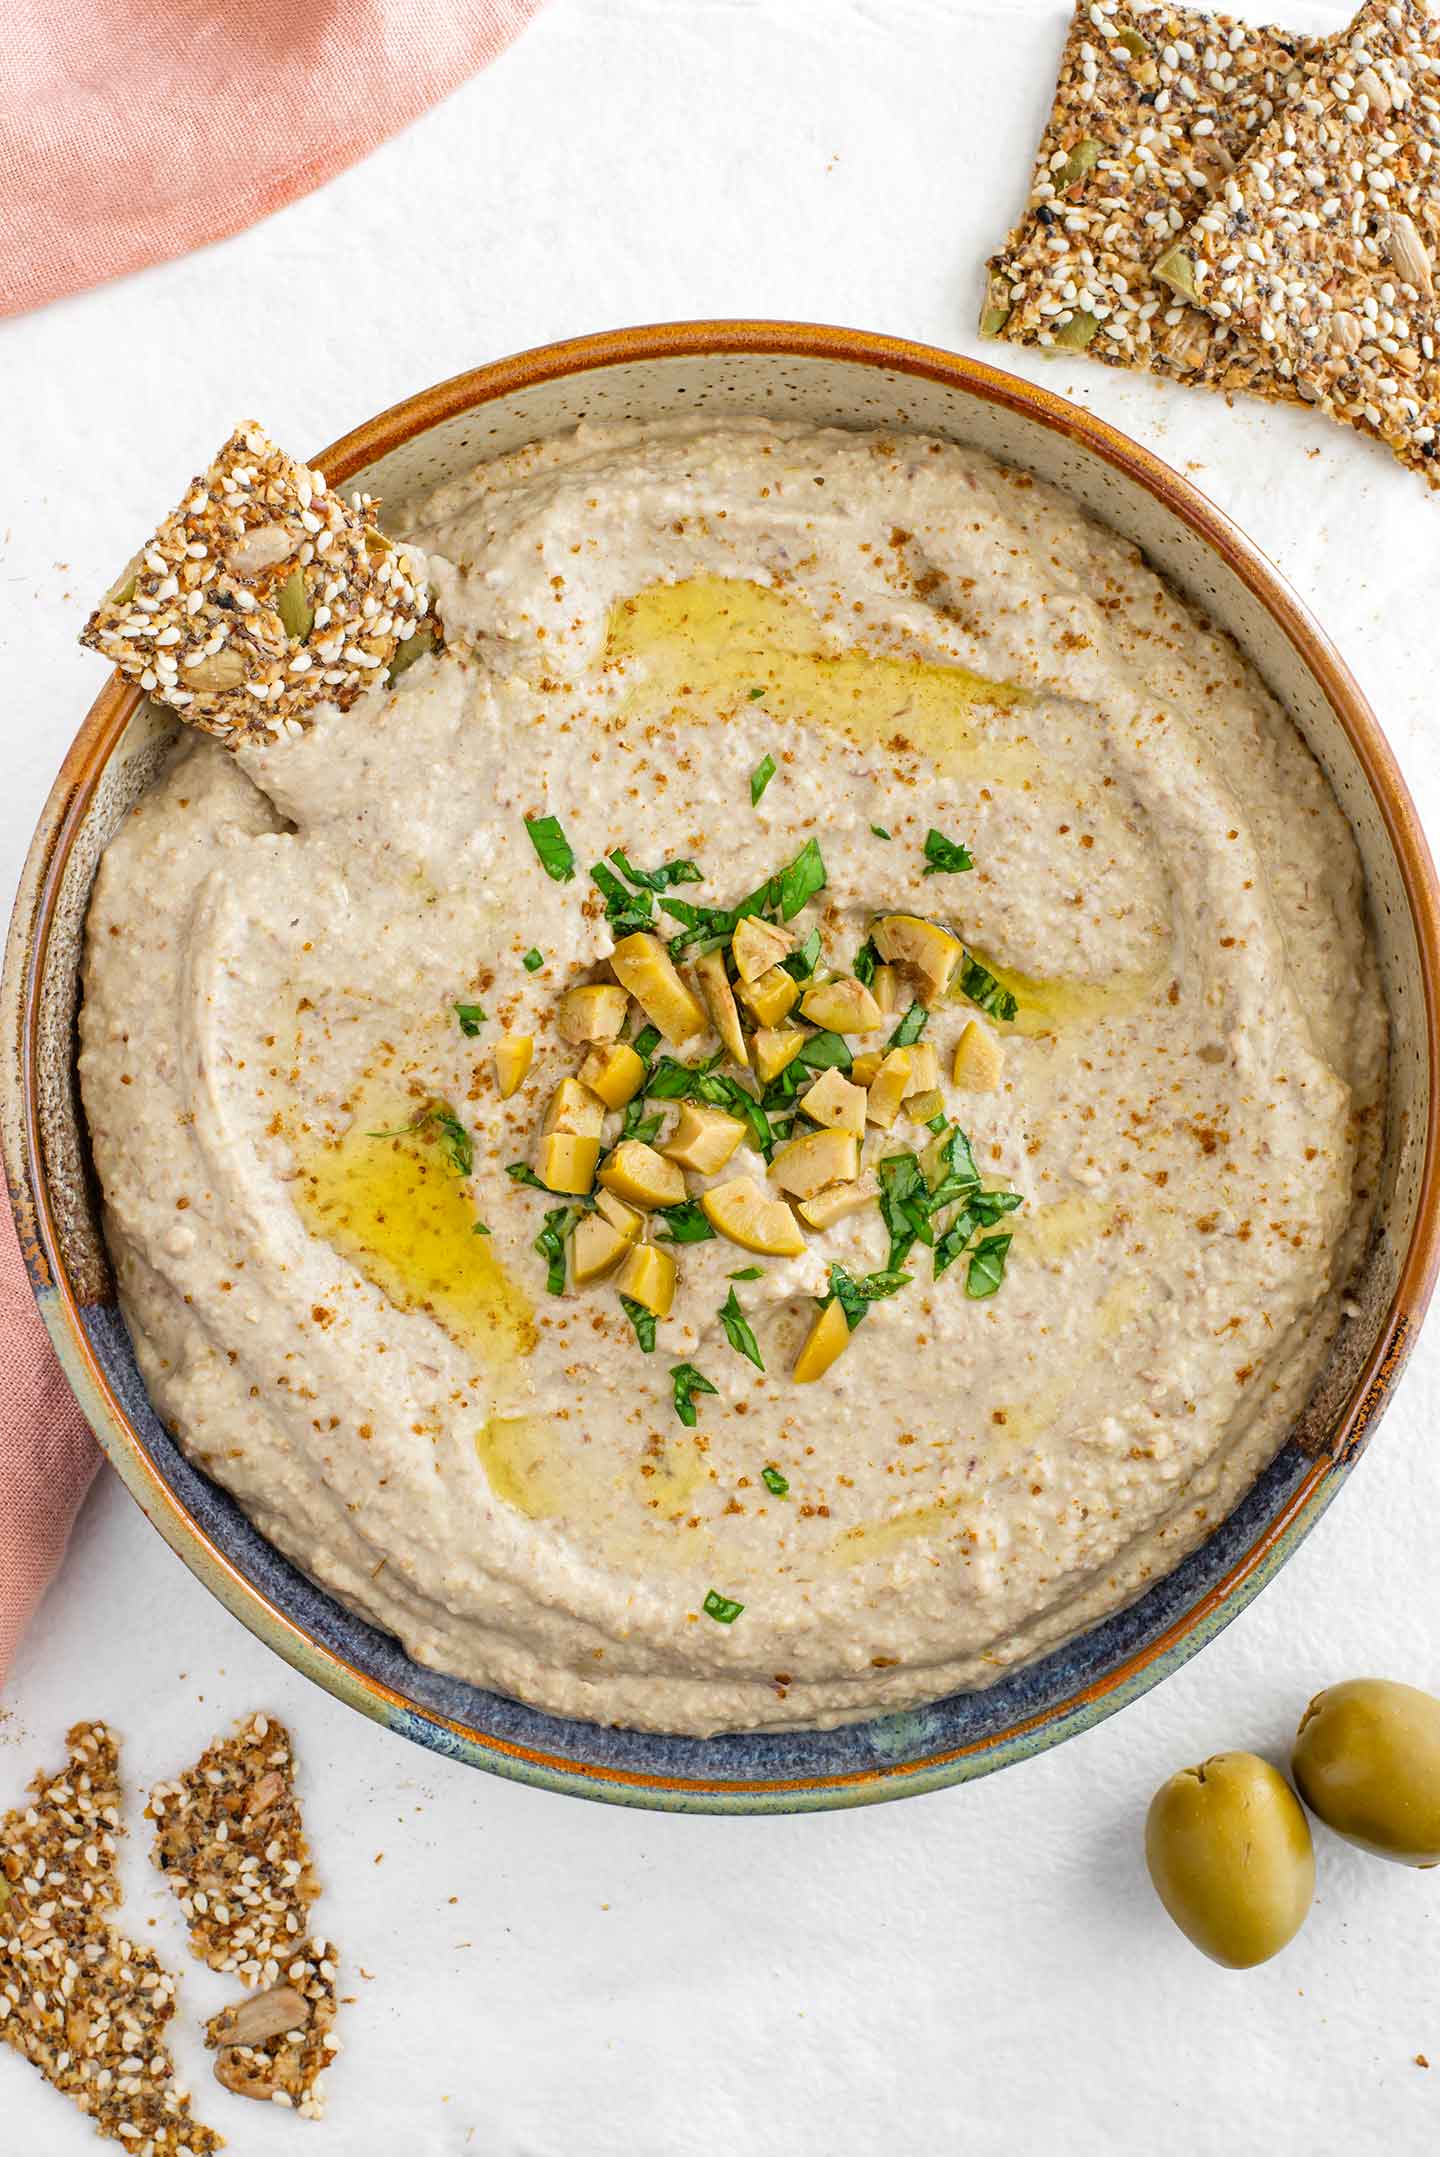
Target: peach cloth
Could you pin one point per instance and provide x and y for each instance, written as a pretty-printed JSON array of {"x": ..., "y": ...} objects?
[
  {"x": 47, "y": 1455},
  {"x": 131, "y": 130}
]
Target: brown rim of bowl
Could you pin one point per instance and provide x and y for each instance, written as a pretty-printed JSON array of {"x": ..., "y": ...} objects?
[{"x": 116, "y": 704}]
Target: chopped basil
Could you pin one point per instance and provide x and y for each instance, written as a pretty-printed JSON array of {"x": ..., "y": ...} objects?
[
  {"x": 522, "y": 1172},
  {"x": 668, "y": 873},
  {"x": 646, "y": 1042},
  {"x": 471, "y": 1017},
  {"x": 557, "y": 857},
  {"x": 904, "y": 1206},
  {"x": 754, "y": 693},
  {"x": 738, "y": 1331},
  {"x": 822, "y": 1051},
  {"x": 626, "y": 911},
  {"x": 987, "y": 1265},
  {"x": 800, "y": 879},
  {"x": 642, "y": 1320},
  {"x": 687, "y": 1382},
  {"x": 942, "y": 855},
  {"x": 479, "y": 1229},
  {"x": 880, "y": 831},
  {"x": 937, "y": 1122},
  {"x": 959, "y": 1175},
  {"x": 636, "y": 1124},
  {"x": 979, "y": 984},
  {"x": 761, "y": 776},
  {"x": 867, "y": 958},
  {"x": 775, "y": 1482},
  {"x": 721, "y": 1608},
  {"x": 533, "y": 960},
  {"x": 910, "y": 1028},
  {"x": 801, "y": 964},
  {"x": 747, "y": 1273},
  {"x": 685, "y": 1223},
  {"x": 550, "y": 1243},
  {"x": 982, "y": 1210},
  {"x": 855, "y": 1297},
  {"x": 443, "y": 1124}
]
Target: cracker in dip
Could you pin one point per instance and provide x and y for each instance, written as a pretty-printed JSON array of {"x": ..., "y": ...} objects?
[{"x": 776, "y": 1129}]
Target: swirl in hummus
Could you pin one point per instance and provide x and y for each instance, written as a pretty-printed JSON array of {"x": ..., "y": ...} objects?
[{"x": 328, "y": 1009}]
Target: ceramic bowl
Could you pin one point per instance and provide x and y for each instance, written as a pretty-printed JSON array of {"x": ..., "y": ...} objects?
[{"x": 827, "y": 376}]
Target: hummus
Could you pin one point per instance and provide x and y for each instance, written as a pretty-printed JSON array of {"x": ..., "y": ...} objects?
[{"x": 310, "y": 965}]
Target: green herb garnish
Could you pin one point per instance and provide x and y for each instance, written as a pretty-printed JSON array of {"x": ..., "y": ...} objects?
[
  {"x": 738, "y": 1331},
  {"x": 867, "y": 958},
  {"x": 910, "y": 1028},
  {"x": 646, "y": 1042},
  {"x": 987, "y": 1265},
  {"x": 801, "y": 964},
  {"x": 775, "y": 1482},
  {"x": 479, "y": 1229},
  {"x": 471, "y": 1017},
  {"x": 822, "y": 1051},
  {"x": 855, "y": 1297},
  {"x": 761, "y": 776},
  {"x": 642, "y": 1320},
  {"x": 800, "y": 879},
  {"x": 533, "y": 960},
  {"x": 626, "y": 911},
  {"x": 755, "y": 693},
  {"x": 904, "y": 1206},
  {"x": 551, "y": 1241},
  {"x": 982, "y": 1210},
  {"x": 443, "y": 1124},
  {"x": 721, "y": 1608},
  {"x": 747, "y": 1273},
  {"x": 979, "y": 984},
  {"x": 687, "y": 1382},
  {"x": 944, "y": 856},
  {"x": 880, "y": 831},
  {"x": 557, "y": 857},
  {"x": 668, "y": 873},
  {"x": 958, "y": 1174},
  {"x": 685, "y": 1223},
  {"x": 522, "y": 1172},
  {"x": 636, "y": 1124}
]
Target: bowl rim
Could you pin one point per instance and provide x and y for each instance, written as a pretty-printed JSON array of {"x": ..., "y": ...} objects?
[{"x": 60, "y": 1302}]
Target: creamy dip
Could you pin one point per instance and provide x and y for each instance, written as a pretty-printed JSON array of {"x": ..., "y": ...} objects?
[{"x": 343, "y": 1314}]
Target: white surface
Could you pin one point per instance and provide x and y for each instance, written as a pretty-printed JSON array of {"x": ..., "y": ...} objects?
[{"x": 980, "y": 1971}]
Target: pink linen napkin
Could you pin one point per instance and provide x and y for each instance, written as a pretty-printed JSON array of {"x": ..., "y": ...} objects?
[
  {"x": 132, "y": 130},
  {"x": 47, "y": 1455}
]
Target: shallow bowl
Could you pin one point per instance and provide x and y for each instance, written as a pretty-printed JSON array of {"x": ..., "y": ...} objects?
[{"x": 828, "y": 376}]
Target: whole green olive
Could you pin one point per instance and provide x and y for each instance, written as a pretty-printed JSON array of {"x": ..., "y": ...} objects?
[
  {"x": 1229, "y": 1851},
  {"x": 1367, "y": 1760}
]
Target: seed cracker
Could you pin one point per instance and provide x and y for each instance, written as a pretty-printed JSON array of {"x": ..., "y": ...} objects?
[
  {"x": 1322, "y": 246},
  {"x": 1153, "y": 107},
  {"x": 229, "y": 1839},
  {"x": 261, "y": 598},
  {"x": 78, "y": 2000}
]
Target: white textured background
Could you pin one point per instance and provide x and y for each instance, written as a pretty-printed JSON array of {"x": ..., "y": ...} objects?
[{"x": 980, "y": 1971}]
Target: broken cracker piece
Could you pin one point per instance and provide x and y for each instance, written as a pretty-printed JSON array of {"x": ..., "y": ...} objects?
[
  {"x": 1322, "y": 246},
  {"x": 261, "y": 598},
  {"x": 78, "y": 2000},
  {"x": 229, "y": 1839},
  {"x": 1152, "y": 108},
  {"x": 276, "y": 2045}
]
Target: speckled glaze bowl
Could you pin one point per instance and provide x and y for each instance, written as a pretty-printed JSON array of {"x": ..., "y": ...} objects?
[{"x": 832, "y": 376}]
